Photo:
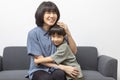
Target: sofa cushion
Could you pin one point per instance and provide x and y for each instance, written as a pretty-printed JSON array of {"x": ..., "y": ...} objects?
[
  {"x": 87, "y": 58},
  {"x": 15, "y": 58},
  {"x": 0, "y": 63},
  {"x": 95, "y": 75},
  {"x": 13, "y": 75}
]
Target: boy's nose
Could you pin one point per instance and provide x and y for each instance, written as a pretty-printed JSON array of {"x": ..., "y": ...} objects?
[{"x": 55, "y": 39}]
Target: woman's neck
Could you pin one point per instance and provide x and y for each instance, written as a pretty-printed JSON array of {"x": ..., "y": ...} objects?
[{"x": 46, "y": 27}]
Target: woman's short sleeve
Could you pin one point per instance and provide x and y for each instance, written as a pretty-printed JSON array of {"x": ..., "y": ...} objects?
[{"x": 33, "y": 45}]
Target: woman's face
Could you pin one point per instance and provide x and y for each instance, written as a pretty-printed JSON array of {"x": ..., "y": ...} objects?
[{"x": 50, "y": 18}]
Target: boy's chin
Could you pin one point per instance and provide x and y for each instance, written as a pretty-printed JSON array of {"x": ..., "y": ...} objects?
[{"x": 56, "y": 45}]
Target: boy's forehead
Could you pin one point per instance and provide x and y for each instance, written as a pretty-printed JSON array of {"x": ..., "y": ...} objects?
[{"x": 56, "y": 34}]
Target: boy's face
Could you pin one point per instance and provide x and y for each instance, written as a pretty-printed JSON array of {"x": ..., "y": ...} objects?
[{"x": 57, "y": 39}]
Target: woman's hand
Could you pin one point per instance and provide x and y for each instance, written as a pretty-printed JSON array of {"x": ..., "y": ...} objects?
[
  {"x": 71, "y": 41},
  {"x": 71, "y": 71},
  {"x": 64, "y": 26}
]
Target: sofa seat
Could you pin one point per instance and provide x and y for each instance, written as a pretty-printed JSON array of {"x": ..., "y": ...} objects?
[
  {"x": 88, "y": 75},
  {"x": 15, "y": 62},
  {"x": 18, "y": 75}
]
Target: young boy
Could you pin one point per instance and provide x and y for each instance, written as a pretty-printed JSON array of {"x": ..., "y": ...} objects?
[{"x": 63, "y": 55}]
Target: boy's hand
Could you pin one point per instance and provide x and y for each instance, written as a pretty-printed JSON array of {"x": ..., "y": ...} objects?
[{"x": 71, "y": 71}]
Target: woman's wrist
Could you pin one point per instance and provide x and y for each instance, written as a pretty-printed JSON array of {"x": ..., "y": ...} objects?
[{"x": 68, "y": 34}]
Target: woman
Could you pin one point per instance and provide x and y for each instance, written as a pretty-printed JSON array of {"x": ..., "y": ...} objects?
[{"x": 39, "y": 44}]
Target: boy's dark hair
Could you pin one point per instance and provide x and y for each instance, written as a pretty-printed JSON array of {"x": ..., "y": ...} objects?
[
  {"x": 43, "y": 7},
  {"x": 57, "y": 29}
]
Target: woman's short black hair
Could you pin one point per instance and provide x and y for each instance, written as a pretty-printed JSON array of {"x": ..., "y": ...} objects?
[
  {"x": 43, "y": 7},
  {"x": 57, "y": 29}
]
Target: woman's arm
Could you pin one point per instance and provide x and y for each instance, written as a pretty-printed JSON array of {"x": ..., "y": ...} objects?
[{"x": 71, "y": 41}]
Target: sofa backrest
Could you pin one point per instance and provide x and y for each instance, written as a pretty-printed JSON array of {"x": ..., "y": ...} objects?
[
  {"x": 0, "y": 63},
  {"x": 87, "y": 57},
  {"x": 15, "y": 58}
]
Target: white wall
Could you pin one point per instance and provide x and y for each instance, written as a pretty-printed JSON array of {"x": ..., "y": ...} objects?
[{"x": 91, "y": 22}]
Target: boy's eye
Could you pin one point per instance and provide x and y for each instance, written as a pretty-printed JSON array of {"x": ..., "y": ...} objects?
[
  {"x": 59, "y": 36},
  {"x": 52, "y": 36}
]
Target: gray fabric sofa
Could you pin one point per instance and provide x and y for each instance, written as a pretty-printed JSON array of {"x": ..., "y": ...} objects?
[{"x": 14, "y": 64}]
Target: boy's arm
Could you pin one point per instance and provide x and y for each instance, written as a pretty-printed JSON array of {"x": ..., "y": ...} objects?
[
  {"x": 59, "y": 56},
  {"x": 41, "y": 59},
  {"x": 71, "y": 71}
]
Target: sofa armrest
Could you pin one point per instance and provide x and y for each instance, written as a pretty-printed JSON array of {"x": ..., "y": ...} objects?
[
  {"x": 0, "y": 63},
  {"x": 107, "y": 66}
]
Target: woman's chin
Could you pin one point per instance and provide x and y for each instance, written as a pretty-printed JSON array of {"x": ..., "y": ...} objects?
[{"x": 52, "y": 23}]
